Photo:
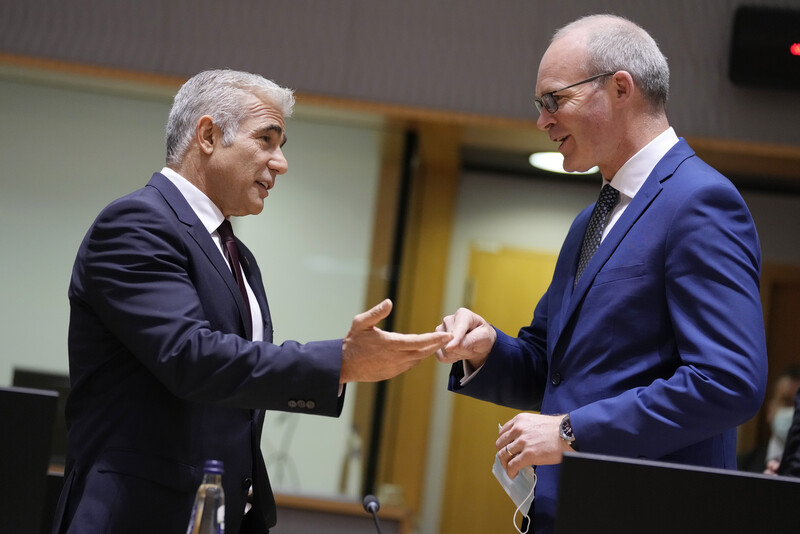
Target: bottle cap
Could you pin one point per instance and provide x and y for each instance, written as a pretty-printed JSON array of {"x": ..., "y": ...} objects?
[{"x": 214, "y": 467}]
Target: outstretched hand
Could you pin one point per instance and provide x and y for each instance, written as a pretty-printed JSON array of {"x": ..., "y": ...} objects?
[
  {"x": 370, "y": 354},
  {"x": 473, "y": 338}
]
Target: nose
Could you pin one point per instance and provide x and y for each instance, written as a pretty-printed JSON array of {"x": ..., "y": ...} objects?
[
  {"x": 278, "y": 162},
  {"x": 545, "y": 120}
]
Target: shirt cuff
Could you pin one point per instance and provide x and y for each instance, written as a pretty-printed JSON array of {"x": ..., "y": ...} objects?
[{"x": 469, "y": 372}]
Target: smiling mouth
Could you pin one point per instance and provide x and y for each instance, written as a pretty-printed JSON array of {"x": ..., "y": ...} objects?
[
  {"x": 561, "y": 141},
  {"x": 263, "y": 185}
]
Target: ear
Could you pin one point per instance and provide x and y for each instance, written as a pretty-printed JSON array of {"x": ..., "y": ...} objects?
[
  {"x": 623, "y": 87},
  {"x": 206, "y": 134}
]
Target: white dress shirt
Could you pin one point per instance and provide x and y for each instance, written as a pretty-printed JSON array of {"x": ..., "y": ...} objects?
[{"x": 634, "y": 172}]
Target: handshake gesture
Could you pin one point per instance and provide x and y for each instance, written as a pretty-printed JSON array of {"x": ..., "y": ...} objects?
[
  {"x": 472, "y": 338},
  {"x": 370, "y": 354}
]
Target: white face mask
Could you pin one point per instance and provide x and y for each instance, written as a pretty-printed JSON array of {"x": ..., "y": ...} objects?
[
  {"x": 520, "y": 488},
  {"x": 782, "y": 422}
]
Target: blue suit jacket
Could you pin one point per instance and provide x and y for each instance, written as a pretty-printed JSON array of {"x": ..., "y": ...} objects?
[
  {"x": 164, "y": 376},
  {"x": 659, "y": 352}
]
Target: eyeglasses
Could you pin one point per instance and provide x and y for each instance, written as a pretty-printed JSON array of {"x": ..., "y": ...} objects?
[{"x": 548, "y": 100}]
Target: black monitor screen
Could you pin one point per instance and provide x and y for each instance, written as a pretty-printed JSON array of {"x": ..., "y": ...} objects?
[{"x": 765, "y": 48}]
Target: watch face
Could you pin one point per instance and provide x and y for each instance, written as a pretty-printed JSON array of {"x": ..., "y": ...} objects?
[{"x": 566, "y": 430}]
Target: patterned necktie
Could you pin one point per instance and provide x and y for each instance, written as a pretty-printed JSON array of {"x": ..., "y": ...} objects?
[
  {"x": 594, "y": 232},
  {"x": 232, "y": 255}
]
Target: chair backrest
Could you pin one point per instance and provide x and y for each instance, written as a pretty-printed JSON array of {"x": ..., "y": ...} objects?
[
  {"x": 27, "y": 418},
  {"x": 51, "y": 381}
]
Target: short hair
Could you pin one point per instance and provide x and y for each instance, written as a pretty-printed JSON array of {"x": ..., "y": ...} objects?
[
  {"x": 615, "y": 43},
  {"x": 792, "y": 372},
  {"x": 219, "y": 94}
]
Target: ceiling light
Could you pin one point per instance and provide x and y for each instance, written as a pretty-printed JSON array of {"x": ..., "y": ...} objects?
[{"x": 553, "y": 162}]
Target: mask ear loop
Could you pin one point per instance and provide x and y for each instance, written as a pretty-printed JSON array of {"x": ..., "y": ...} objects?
[{"x": 519, "y": 508}]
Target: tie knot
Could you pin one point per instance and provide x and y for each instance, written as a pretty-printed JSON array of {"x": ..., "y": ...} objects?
[
  {"x": 225, "y": 231},
  {"x": 608, "y": 196}
]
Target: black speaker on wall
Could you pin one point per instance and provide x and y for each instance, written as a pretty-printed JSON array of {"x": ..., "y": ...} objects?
[{"x": 765, "y": 48}]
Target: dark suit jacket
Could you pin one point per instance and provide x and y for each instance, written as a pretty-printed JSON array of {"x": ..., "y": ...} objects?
[
  {"x": 164, "y": 376},
  {"x": 659, "y": 351},
  {"x": 790, "y": 462}
]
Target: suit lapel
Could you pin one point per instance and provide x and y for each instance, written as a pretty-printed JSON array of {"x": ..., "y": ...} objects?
[
  {"x": 640, "y": 203},
  {"x": 563, "y": 277},
  {"x": 253, "y": 275},
  {"x": 200, "y": 235}
]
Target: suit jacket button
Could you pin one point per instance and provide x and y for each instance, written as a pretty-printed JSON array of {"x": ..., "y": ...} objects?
[
  {"x": 292, "y": 404},
  {"x": 301, "y": 404},
  {"x": 311, "y": 405},
  {"x": 555, "y": 379},
  {"x": 246, "y": 483}
]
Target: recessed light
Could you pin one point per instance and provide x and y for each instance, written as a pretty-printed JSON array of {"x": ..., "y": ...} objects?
[{"x": 553, "y": 162}]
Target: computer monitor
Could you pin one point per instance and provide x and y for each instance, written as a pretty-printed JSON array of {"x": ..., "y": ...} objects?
[
  {"x": 27, "y": 419},
  {"x": 604, "y": 494},
  {"x": 59, "y": 382}
]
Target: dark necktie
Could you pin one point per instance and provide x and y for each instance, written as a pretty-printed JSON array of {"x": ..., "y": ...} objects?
[
  {"x": 232, "y": 255},
  {"x": 594, "y": 232}
]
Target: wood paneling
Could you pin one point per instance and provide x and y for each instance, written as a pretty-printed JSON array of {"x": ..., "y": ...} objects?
[
  {"x": 407, "y": 415},
  {"x": 780, "y": 300}
]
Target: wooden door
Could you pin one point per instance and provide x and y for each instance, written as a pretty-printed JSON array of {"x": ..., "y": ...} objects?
[{"x": 503, "y": 286}]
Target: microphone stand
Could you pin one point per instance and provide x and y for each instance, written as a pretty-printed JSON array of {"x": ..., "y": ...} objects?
[{"x": 371, "y": 505}]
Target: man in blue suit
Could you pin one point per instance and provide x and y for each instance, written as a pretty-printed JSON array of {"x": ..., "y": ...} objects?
[
  {"x": 654, "y": 346},
  {"x": 170, "y": 336}
]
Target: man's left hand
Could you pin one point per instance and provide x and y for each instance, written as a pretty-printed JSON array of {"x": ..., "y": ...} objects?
[{"x": 532, "y": 439}]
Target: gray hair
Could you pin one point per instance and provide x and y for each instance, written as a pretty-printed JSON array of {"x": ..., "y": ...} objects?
[
  {"x": 615, "y": 43},
  {"x": 221, "y": 95}
]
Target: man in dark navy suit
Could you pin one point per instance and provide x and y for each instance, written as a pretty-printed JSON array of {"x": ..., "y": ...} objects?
[
  {"x": 649, "y": 341},
  {"x": 170, "y": 336}
]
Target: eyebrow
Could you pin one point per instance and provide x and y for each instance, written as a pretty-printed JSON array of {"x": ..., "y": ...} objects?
[
  {"x": 554, "y": 91},
  {"x": 545, "y": 93},
  {"x": 277, "y": 129}
]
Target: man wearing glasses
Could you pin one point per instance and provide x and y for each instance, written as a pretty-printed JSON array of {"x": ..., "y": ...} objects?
[{"x": 649, "y": 342}]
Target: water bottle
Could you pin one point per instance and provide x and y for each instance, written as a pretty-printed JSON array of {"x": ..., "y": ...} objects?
[{"x": 208, "y": 512}]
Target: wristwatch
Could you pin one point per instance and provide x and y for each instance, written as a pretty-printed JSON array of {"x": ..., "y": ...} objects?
[{"x": 565, "y": 431}]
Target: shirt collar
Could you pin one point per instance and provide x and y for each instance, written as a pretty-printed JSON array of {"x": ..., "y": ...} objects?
[
  {"x": 634, "y": 172},
  {"x": 208, "y": 213}
]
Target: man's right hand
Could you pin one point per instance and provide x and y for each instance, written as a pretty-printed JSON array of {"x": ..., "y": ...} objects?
[
  {"x": 370, "y": 354},
  {"x": 473, "y": 338}
]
